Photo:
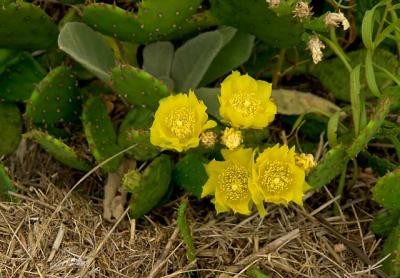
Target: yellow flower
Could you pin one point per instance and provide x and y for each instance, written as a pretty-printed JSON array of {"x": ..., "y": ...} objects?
[
  {"x": 179, "y": 121},
  {"x": 277, "y": 178},
  {"x": 229, "y": 181},
  {"x": 245, "y": 102},
  {"x": 305, "y": 161},
  {"x": 231, "y": 138},
  {"x": 208, "y": 139}
]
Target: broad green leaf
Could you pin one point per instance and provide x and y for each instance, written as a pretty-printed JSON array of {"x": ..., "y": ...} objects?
[
  {"x": 194, "y": 58},
  {"x": 210, "y": 98},
  {"x": 292, "y": 102},
  {"x": 387, "y": 190},
  {"x": 88, "y": 48},
  {"x": 233, "y": 54},
  {"x": 157, "y": 58}
]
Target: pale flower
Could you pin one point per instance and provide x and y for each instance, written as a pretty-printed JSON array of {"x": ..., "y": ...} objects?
[{"x": 335, "y": 19}]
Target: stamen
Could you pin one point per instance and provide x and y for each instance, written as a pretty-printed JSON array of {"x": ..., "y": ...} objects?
[
  {"x": 276, "y": 177},
  {"x": 234, "y": 182},
  {"x": 246, "y": 103},
  {"x": 181, "y": 122}
]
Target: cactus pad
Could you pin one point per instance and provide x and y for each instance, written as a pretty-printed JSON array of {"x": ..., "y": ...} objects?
[
  {"x": 392, "y": 245},
  {"x": 190, "y": 174},
  {"x": 6, "y": 185},
  {"x": 138, "y": 87},
  {"x": 19, "y": 79},
  {"x": 387, "y": 190},
  {"x": 56, "y": 99},
  {"x": 11, "y": 128},
  {"x": 156, "y": 19},
  {"x": 100, "y": 133},
  {"x": 134, "y": 130},
  {"x": 26, "y": 26},
  {"x": 59, "y": 150},
  {"x": 149, "y": 190},
  {"x": 384, "y": 222},
  {"x": 334, "y": 162},
  {"x": 255, "y": 17}
]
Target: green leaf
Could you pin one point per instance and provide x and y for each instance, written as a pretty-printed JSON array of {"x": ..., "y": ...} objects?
[
  {"x": 157, "y": 59},
  {"x": 194, "y": 58},
  {"x": 11, "y": 128},
  {"x": 355, "y": 97},
  {"x": 291, "y": 102},
  {"x": 88, "y": 48},
  {"x": 387, "y": 190},
  {"x": 232, "y": 55},
  {"x": 385, "y": 222},
  {"x": 392, "y": 246},
  {"x": 210, "y": 98}
]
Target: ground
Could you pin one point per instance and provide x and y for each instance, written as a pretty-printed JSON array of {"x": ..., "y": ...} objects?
[{"x": 54, "y": 232}]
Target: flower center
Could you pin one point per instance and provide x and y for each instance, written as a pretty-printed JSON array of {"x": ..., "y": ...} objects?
[
  {"x": 234, "y": 182},
  {"x": 245, "y": 103},
  {"x": 181, "y": 122},
  {"x": 276, "y": 177}
]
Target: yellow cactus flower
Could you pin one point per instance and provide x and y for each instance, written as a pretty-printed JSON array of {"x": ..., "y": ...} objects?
[
  {"x": 231, "y": 138},
  {"x": 277, "y": 178},
  {"x": 229, "y": 181},
  {"x": 305, "y": 161},
  {"x": 245, "y": 102},
  {"x": 179, "y": 121}
]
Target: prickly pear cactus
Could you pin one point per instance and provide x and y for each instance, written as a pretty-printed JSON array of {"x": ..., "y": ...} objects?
[
  {"x": 18, "y": 80},
  {"x": 155, "y": 19},
  {"x": 387, "y": 190},
  {"x": 134, "y": 130},
  {"x": 190, "y": 174},
  {"x": 392, "y": 246},
  {"x": 59, "y": 150},
  {"x": 6, "y": 184},
  {"x": 100, "y": 133},
  {"x": 255, "y": 17},
  {"x": 11, "y": 128},
  {"x": 148, "y": 191},
  {"x": 56, "y": 99},
  {"x": 384, "y": 222},
  {"x": 26, "y": 26},
  {"x": 138, "y": 87},
  {"x": 334, "y": 162}
]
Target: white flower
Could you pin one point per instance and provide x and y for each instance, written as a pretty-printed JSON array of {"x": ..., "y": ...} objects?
[
  {"x": 335, "y": 19},
  {"x": 274, "y": 3},
  {"x": 302, "y": 10},
  {"x": 315, "y": 45}
]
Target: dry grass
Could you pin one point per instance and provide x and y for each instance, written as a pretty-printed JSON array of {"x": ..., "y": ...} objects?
[{"x": 289, "y": 242}]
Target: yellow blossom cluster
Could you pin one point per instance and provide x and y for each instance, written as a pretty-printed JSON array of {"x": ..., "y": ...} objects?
[{"x": 240, "y": 181}]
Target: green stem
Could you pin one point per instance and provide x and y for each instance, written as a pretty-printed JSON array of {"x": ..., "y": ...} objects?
[
  {"x": 255, "y": 272},
  {"x": 185, "y": 231},
  {"x": 340, "y": 189},
  {"x": 277, "y": 73}
]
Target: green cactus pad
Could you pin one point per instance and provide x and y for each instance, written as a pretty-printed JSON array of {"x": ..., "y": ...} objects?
[
  {"x": 59, "y": 150},
  {"x": 56, "y": 99},
  {"x": 11, "y": 128},
  {"x": 138, "y": 87},
  {"x": 387, "y": 190},
  {"x": 19, "y": 79},
  {"x": 392, "y": 246},
  {"x": 334, "y": 162},
  {"x": 153, "y": 185},
  {"x": 190, "y": 174},
  {"x": 156, "y": 19},
  {"x": 255, "y": 17},
  {"x": 26, "y": 26},
  {"x": 384, "y": 222},
  {"x": 6, "y": 185},
  {"x": 134, "y": 130},
  {"x": 100, "y": 133}
]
